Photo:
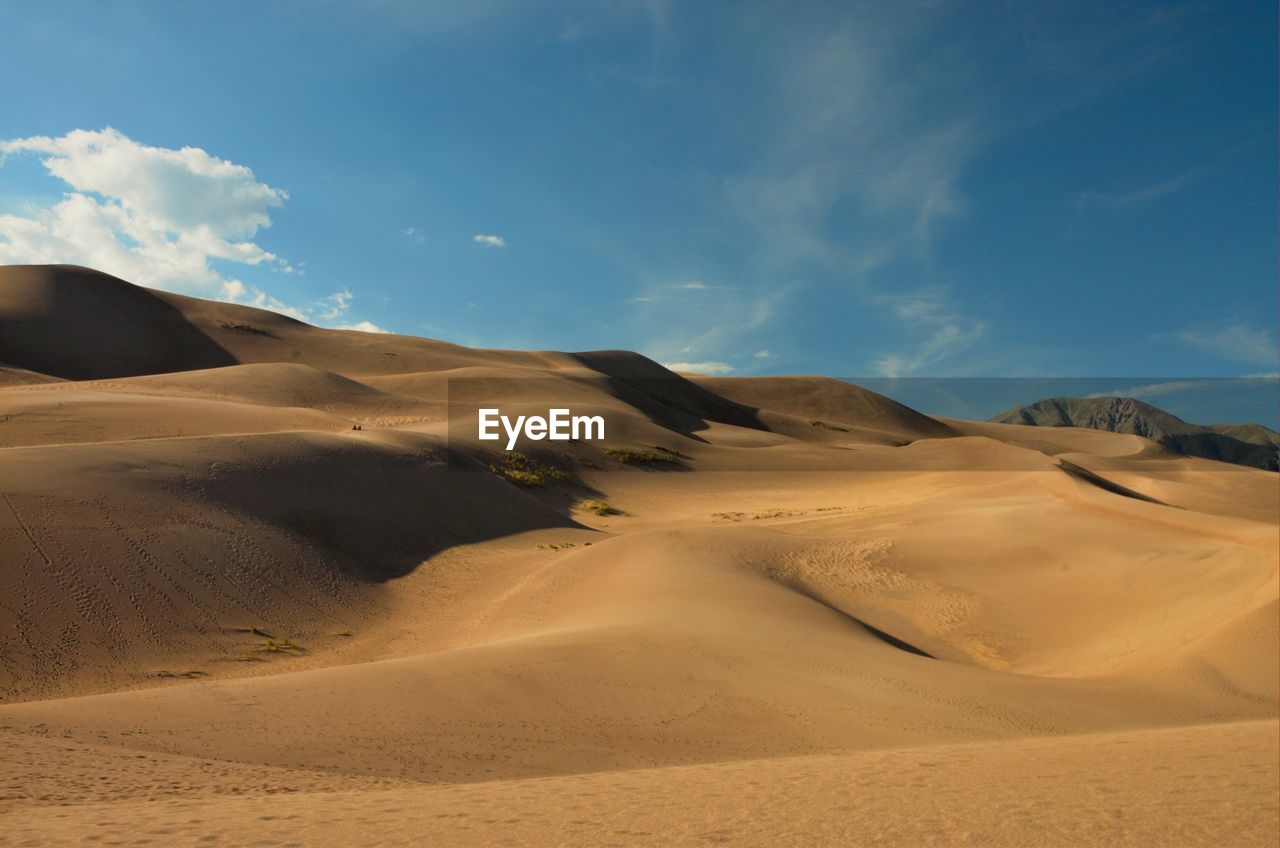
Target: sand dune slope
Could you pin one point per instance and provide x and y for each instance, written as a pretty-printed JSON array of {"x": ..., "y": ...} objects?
[
  {"x": 1128, "y": 789},
  {"x": 260, "y": 583},
  {"x": 121, "y": 559}
]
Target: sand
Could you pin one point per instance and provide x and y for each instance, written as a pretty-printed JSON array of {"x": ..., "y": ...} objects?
[{"x": 231, "y": 617}]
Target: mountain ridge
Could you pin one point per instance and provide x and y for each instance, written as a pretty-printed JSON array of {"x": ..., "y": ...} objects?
[{"x": 1240, "y": 444}]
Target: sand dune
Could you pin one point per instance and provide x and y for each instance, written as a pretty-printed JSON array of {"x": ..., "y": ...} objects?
[
  {"x": 1135, "y": 785},
  {"x": 776, "y": 611},
  {"x": 827, "y": 404},
  {"x": 76, "y": 415}
]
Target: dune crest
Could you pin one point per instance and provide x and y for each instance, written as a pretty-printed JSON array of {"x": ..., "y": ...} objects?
[{"x": 247, "y": 558}]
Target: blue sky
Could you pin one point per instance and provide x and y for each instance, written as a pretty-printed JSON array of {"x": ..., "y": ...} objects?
[{"x": 924, "y": 189}]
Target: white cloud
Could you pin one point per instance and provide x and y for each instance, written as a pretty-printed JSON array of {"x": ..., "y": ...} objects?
[
  {"x": 1238, "y": 341},
  {"x": 336, "y": 304},
  {"x": 489, "y": 241},
  {"x": 154, "y": 216},
  {"x": 331, "y": 311},
  {"x": 696, "y": 285},
  {"x": 168, "y": 190},
  {"x": 362, "y": 326},
  {"x": 150, "y": 215},
  {"x": 764, "y": 354},
  {"x": 416, "y": 234},
  {"x": 711, "y": 369}
]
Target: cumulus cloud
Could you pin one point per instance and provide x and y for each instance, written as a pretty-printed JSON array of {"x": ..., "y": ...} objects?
[
  {"x": 151, "y": 215},
  {"x": 490, "y": 240},
  {"x": 154, "y": 216},
  {"x": 362, "y": 326},
  {"x": 711, "y": 369}
]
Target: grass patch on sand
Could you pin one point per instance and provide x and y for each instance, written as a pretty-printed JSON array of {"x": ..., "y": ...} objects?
[
  {"x": 600, "y": 508},
  {"x": 827, "y": 425},
  {"x": 759, "y": 516},
  {"x": 528, "y": 472},
  {"x": 656, "y": 457},
  {"x": 281, "y": 646},
  {"x": 245, "y": 328}
]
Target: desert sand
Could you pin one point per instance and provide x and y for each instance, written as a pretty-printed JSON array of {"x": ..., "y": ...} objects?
[{"x": 812, "y": 616}]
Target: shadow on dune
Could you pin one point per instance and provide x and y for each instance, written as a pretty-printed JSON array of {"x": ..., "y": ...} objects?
[
  {"x": 377, "y": 513},
  {"x": 893, "y": 640},
  {"x": 1093, "y": 479},
  {"x": 800, "y": 587},
  {"x": 666, "y": 398},
  {"x": 81, "y": 324}
]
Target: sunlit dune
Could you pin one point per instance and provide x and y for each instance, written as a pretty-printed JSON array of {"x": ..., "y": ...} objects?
[{"x": 263, "y": 583}]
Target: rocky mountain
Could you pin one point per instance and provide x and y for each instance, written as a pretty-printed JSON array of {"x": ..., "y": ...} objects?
[{"x": 1242, "y": 444}]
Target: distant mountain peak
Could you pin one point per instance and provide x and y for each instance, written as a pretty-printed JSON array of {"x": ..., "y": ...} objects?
[{"x": 1241, "y": 444}]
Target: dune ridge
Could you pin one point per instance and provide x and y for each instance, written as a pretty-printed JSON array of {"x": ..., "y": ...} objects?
[{"x": 262, "y": 583}]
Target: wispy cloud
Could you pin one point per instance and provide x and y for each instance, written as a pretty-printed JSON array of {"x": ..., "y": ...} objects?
[
  {"x": 678, "y": 291},
  {"x": 1149, "y": 390},
  {"x": 860, "y": 161},
  {"x": 335, "y": 305},
  {"x": 1145, "y": 194},
  {"x": 1181, "y": 387},
  {"x": 946, "y": 331},
  {"x": 718, "y": 329},
  {"x": 1237, "y": 341},
  {"x": 711, "y": 369},
  {"x": 763, "y": 354},
  {"x": 416, "y": 234},
  {"x": 489, "y": 240}
]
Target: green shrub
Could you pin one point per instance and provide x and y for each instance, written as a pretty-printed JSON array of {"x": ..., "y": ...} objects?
[
  {"x": 600, "y": 508},
  {"x": 244, "y": 328},
  {"x": 528, "y": 472},
  {"x": 642, "y": 456}
]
